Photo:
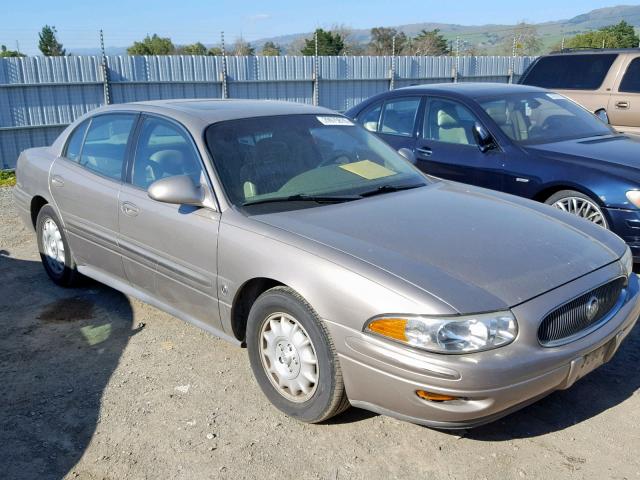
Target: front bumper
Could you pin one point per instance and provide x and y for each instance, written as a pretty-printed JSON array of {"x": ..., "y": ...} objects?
[{"x": 383, "y": 377}]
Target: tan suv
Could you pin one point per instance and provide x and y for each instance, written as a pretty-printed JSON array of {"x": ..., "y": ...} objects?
[{"x": 607, "y": 82}]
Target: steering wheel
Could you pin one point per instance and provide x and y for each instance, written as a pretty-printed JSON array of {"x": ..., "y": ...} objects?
[{"x": 338, "y": 154}]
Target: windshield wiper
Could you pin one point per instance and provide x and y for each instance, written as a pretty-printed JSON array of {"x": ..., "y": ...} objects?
[
  {"x": 300, "y": 197},
  {"x": 390, "y": 188}
]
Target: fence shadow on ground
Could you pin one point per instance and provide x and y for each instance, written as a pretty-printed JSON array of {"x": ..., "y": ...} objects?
[{"x": 58, "y": 350}]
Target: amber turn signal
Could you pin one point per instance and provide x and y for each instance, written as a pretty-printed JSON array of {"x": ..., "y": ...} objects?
[
  {"x": 389, "y": 327},
  {"x": 434, "y": 397}
]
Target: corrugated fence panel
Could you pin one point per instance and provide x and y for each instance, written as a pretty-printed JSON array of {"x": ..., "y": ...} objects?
[{"x": 38, "y": 95}]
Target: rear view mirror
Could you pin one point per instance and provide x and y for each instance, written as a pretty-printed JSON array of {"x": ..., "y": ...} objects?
[
  {"x": 483, "y": 138},
  {"x": 178, "y": 189},
  {"x": 408, "y": 154}
]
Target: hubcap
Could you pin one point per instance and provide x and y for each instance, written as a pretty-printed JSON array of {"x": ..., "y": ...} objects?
[
  {"x": 583, "y": 208},
  {"x": 288, "y": 357},
  {"x": 53, "y": 246}
]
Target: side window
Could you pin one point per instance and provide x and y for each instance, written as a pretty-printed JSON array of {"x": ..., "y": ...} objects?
[
  {"x": 449, "y": 122},
  {"x": 105, "y": 145},
  {"x": 74, "y": 143},
  {"x": 399, "y": 116},
  {"x": 631, "y": 80},
  {"x": 163, "y": 150},
  {"x": 370, "y": 118},
  {"x": 578, "y": 72}
]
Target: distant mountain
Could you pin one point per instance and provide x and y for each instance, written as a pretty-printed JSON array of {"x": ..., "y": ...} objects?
[{"x": 490, "y": 39}]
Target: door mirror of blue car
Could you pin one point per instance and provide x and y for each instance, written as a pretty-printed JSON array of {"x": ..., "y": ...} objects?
[
  {"x": 602, "y": 115},
  {"x": 483, "y": 138},
  {"x": 408, "y": 154}
]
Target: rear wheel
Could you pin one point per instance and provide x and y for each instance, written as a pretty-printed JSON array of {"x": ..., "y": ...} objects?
[
  {"x": 293, "y": 358},
  {"x": 578, "y": 204},
  {"x": 54, "y": 248}
]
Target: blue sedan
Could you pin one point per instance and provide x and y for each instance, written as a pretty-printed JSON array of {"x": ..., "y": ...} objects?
[{"x": 518, "y": 139}]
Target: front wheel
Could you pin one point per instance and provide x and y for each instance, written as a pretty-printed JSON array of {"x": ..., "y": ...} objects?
[
  {"x": 54, "y": 248},
  {"x": 578, "y": 204},
  {"x": 293, "y": 358}
]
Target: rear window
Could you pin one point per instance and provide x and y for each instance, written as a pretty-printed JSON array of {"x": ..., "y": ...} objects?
[
  {"x": 570, "y": 72},
  {"x": 631, "y": 80}
]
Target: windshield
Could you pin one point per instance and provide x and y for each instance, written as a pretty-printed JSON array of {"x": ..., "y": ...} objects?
[
  {"x": 297, "y": 157},
  {"x": 534, "y": 118}
]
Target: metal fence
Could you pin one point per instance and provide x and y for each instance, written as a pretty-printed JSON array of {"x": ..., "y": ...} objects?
[{"x": 39, "y": 96}]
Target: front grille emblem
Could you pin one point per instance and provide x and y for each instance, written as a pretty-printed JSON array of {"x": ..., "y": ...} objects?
[{"x": 593, "y": 305}]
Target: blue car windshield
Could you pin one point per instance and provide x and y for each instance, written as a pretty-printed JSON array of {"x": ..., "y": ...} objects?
[
  {"x": 301, "y": 157},
  {"x": 539, "y": 117}
]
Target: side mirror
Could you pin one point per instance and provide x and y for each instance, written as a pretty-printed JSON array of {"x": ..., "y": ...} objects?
[
  {"x": 602, "y": 115},
  {"x": 408, "y": 154},
  {"x": 483, "y": 138},
  {"x": 179, "y": 190}
]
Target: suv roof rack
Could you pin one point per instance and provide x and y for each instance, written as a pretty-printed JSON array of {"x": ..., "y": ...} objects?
[{"x": 596, "y": 50}]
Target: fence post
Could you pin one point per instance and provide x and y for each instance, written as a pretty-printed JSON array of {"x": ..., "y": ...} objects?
[
  {"x": 106, "y": 87},
  {"x": 225, "y": 91},
  {"x": 316, "y": 76},
  {"x": 392, "y": 73}
]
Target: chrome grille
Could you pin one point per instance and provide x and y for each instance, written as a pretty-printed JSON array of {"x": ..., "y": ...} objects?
[{"x": 575, "y": 316}]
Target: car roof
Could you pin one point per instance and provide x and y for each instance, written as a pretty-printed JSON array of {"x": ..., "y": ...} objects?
[
  {"x": 471, "y": 89},
  {"x": 208, "y": 111}
]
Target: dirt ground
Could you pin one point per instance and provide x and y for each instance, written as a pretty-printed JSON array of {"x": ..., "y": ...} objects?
[{"x": 97, "y": 385}]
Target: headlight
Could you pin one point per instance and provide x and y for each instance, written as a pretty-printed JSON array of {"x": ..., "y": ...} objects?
[
  {"x": 634, "y": 197},
  {"x": 469, "y": 333},
  {"x": 627, "y": 261}
]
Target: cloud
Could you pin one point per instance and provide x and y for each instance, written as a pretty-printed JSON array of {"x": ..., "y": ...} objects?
[{"x": 260, "y": 16}]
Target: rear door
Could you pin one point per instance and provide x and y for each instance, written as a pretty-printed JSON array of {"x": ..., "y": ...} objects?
[
  {"x": 447, "y": 148},
  {"x": 169, "y": 251},
  {"x": 85, "y": 183},
  {"x": 624, "y": 103}
]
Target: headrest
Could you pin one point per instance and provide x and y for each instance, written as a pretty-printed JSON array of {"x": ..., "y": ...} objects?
[
  {"x": 171, "y": 161},
  {"x": 446, "y": 120},
  {"x": 499, "y": 115}
]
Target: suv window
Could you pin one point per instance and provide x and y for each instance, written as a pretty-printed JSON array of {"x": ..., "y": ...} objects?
[
  {"x": 631, "y": 80},
  {"x": 571, "y": 72},
  {"x": 449, "y": 122},
  {"x": 370, "y": 118},
  {"x": 163, "y": 150},
  {"x": 74, "y": 144},
  {"x": 105, "y": 145},
  {"x": 399, "y": 116}
]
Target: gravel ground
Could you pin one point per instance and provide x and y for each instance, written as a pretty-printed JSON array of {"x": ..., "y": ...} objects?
[{"x": 97, "y": 385}]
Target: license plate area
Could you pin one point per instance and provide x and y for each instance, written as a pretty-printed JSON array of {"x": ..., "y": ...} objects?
[{"x": 593, "y": 360}]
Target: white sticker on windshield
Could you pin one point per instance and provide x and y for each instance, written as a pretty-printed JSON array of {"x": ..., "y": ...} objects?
[
  {"x": 332, "y": 120},
  {"x": 556, "y": 96}
]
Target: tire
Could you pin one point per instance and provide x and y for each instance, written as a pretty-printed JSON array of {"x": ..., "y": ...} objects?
[
  {"x": 579, "y": 204},
  {"x": 49, "y": 227},
  {"x": 272, "y": 314}
]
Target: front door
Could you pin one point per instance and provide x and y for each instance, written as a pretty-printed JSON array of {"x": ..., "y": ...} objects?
[
  {"x": 624, "y": 103},
  {"x": 169, "y": 251},
  {"x": 447, "y": 148},
  {"x": 85, "y": 183}
]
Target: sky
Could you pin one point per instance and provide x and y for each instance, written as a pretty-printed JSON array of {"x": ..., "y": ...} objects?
[{"x": 188, "y": 21}]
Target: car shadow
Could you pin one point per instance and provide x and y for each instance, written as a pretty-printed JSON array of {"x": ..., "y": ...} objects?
[
  {"x": 599, "y": 391},
  {"x": 58, "y": 350}
]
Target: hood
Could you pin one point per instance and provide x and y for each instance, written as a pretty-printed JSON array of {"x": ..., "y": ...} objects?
[
  {"x": 475, "y": 249},
  {"x": 603, "y": 152}
]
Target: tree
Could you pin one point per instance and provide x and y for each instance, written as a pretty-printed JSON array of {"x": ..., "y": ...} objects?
[
  {"x": 329, "y": 44},
  {"x": 621, "y": 35},
  {"x": 270, "y": 49},
  {"x": 193, "y": 49},
  {"x": 243, "y": 48},
  {"x": 381, "y": 42},
  {"x": 527, "y": 41},
  {"x": 429, "y": 42},
  {"x": 48, "y": 43},
  {"x": 350, "y": 44},
  {"x": 152, "y": 45},
  {"x": 215, "y": 52},
  {"x": 9, "y": 53}
]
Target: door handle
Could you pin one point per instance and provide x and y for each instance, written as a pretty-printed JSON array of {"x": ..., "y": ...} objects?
[
  {"x": 57, "y": 181},
  {"x": 130, "y": 209},
  {"x": 623, "y": 104},
  {"x": 424, "y": 151}
]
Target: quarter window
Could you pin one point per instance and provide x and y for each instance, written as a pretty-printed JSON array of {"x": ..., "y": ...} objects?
[
  {"x": 74, "y": 145},
  {"x": 105, "y": 145},
  {"x": 449, "y": 122},
  {"x": 631, "y": 80},
  {"x": 399, "y": 116},
  {"x": 370, "y": 118},
  {"x": 163, "y": 150}
]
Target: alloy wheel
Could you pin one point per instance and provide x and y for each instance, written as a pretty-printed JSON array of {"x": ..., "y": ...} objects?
[{"x": 583, "y": 208}]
